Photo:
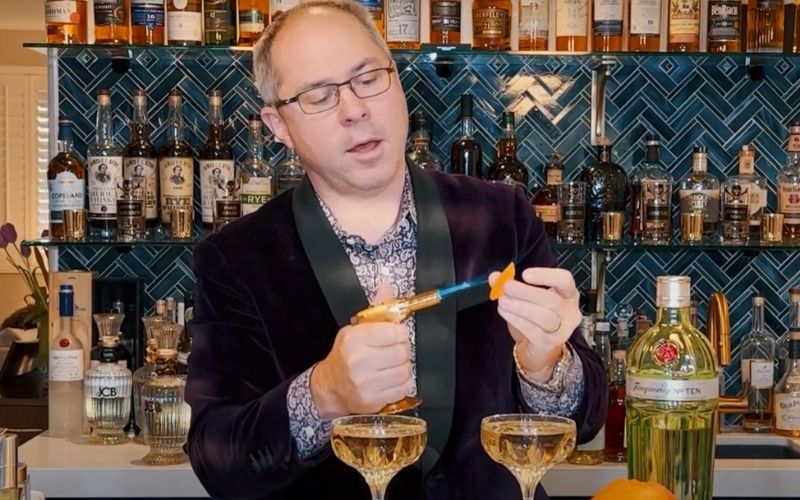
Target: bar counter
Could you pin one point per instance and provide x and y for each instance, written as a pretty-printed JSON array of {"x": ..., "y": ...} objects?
[{"x": 63, "y": 469}]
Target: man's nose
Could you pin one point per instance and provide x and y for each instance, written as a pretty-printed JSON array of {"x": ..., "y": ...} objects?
[{"x": 351, "y": 107}]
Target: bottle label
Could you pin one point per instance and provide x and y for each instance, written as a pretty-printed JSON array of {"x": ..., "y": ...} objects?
[
  {"x": 67, "y": 192},
  {"x": 553, "y": 176},
  {"x": 573, "y": 212},
  {"x": 704, "y": 201},
  {"x": 723, "y": 21},
  {"x": 789, "y": 202},
  {"x": 228, "y": 210},
  {"x": 105, "y": 173},
  {"x": 534, "y": 19},
  {"x": 794, "y": 143},
  {"x": 129, "y": 209},
  {"x": 735, "y": 213},
  {"x": 548, "y": 213},
  {"x": 108, "y": 12},
  {"x": 145, "y": 168},
  {"x": 148, "y": 14},
  {"x": 251, "y": 21},
  {"x": 572, "y": 17},
  {"x": 256, "y": 192},
  {"x": 761, "y": 374},
  {"x": 608, "y": 17},
  {"x": 491, "y": 23},
  {"x": 176, "y": 185},
  {"x": 185, "y": 26},
  {"x": 672, "y": 390},
  {"x": 402, "y": 21},
  {"x": 598, "y": 442},
  {"x": 62, "y": 12},
  {"x": 213, "y": 176},
  {"x": 65, "y": 366},
  {"x": 656, "y": 196},
  {"x": 758, "y": 200},
  {"x": 747, "y": 165},
  {"x": 278, "y": 7},
  {"x": 787, "y": 412},
  {"x": 645, "y": 17},
  {"x": 217, "y": 18},
  {"x": 445, "y": 16},
  {"x": 684, "y": 21}
]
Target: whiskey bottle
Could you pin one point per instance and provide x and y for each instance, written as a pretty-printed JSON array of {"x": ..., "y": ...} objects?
[
  {"x": 66, "y": 181},
  {"x": 607, "y": 26},
  {"x": 216, "y": 159},
  {"x": 290, "y": 172},
  {"x": 645, "y": 26},
  {"x": 175, "y": 162},
  {"x": 184, "y": 22},
  {"x": 787, "y": 392},
  {"x": 534, "y": 24},
  {"x": 699, "y": 193},
  {"x": 419, "y": 154},
  {"x": 758, "y": 365},
  {"x": 111, "y": 21},
  {"x": 465, "y": 155},
  {"x": 65, "y": 371},
  {"x": 140, "y": 158},
  {"x": 723, "y": 26},
  {"x": 783, "y": 341},
  {"x": 684, "y": 26},
  {"x": 253, "y": 17},
  {"x": 656, "y": 196},
  {"x": 789, "y": 187},
  {"x": 66, "y": 21},
  {"x": 255, "y": 174},
  {"x": 507, "y": 168},
  {"x": 491, "y": 24},
  {"x": 219, "y": 27},
  {"x": 403, "y": 24},
  {"x": 757, "y": 187},
  {"x": 545, "y": 201},
  {"x": 147, "y": 22},
  {"x": 375, "y": 8},
  {"x": 278, "y": 7},
  {"x": 104, "y": 165},
  {"x": 572, "y": 25},
  {"x": 606, "y": 188},
  {"x": 735, "y": 213},
  {"x": 445, "y": 18},
  {"x": 615, "y": 449},
  {"x": 767, "y": 18},
  {"x": 590, "y": 453}
]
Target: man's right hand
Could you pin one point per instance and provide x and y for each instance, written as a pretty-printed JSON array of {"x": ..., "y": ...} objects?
[{"x": 368, "y": 367}]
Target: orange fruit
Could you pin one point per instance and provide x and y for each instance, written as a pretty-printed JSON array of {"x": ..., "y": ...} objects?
[
  {"x": 631, "y": 489},
  {"x": 505, "y": 277}
]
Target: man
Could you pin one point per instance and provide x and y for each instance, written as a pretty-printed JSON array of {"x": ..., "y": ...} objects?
[
  {"x": 274, "y": 358},
  {"x": 177, "y": 175}
]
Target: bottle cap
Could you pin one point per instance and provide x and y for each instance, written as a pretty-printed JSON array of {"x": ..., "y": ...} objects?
[
  {"x": 673, "y": 291},
  {"x": 466, "y": 106},
  {"x": 214, "y": 97},
  {"x": 618, "y": 355},
  {"x": 103, "y": 97},
  {"x": 794, "y": 334},
  {"x": 64, "y": 129},
  {"x": 699, "y": 158},
  {"x": 508, "y": 119},
  {"x": 602, "y": 326},
  {"x": 8, "y": 461},
  {"x": 66, "y": 301},
  {"x": 651, "y": 140},
  {"x": 175, "y": 96},
  {"x": 758, "y": 300},
  {"x": 748, "y": 149}
]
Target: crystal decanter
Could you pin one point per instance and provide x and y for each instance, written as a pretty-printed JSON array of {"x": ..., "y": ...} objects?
[{"x": 146, "y": 372}]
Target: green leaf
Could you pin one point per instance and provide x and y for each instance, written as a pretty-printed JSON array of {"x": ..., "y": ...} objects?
[{"x": 42, "y": 266}]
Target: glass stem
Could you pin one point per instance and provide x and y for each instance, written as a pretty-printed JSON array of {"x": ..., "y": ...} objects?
[
  {"x": 528, "y": 489},
  {"x": 378, "y": 491}
]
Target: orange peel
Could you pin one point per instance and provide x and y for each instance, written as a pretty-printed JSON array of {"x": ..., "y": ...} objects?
[{"x": 505, "y": 276}]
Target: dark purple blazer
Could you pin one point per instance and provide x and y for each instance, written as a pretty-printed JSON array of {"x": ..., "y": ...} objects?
[{"x": 261, "y": 317}]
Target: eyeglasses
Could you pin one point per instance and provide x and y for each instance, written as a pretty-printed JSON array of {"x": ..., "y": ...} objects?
[{"x": 325, "y": 97}]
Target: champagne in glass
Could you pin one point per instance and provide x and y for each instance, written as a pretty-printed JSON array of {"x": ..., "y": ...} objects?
[
  {"x": 528, "y": 445},
  {"x": 378, "y": 446}
]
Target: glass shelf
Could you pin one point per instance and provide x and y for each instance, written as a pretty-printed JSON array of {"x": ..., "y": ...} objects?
[
  {"x": 675, "y": 246},
  {"x": 155, "y": 241}
]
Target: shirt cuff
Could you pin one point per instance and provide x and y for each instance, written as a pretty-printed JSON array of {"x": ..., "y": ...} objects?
[
  {"x": 310, "y": 432},
  {"x": 565, "y": 400}
]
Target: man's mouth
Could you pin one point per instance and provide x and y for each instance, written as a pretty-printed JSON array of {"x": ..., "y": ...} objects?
[{"x": 365, "y": 146}]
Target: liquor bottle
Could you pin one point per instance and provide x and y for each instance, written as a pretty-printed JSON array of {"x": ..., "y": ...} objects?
[
  {"x": 723, "y": 26},
  {"x": 140, "y": 158},
  {"x": 130, "y": 209},
  {"x": 375, "y": 8},
  {"x": 672, "y": 395},
  {"x": 403, "y": 24},
  {"x": 109, "y": 325},
  {"x": 66, "y": 21},
  {"x": 624, "y": 314},
  {"x": 65, "y": 372},
  {"x": 602, "y": 339},
  {"x": 107, "y": 394},
  {"x": 655, "y": 197},
  {"x": 572, "y": 25},
  {"x": 491, "y": 24},
  {"x": 789, "y": 188},
  {"x": 66, "y": 181},
  {"x": 645, "y": 26},
  {"x": 166, "y": 414},
  {"x": 606, "y": 187},
  {"x": 767, "y": 18},
  {"x": 253, "y": 17},
  {"x": 147, "y": 22},
  {"x": 783, "y": 341},
  {"x": 735, "y": 211},
  {"x": 787, "y": 392},
  {"x": 227, "y": 204},
  {"x": 757, "y": 187},
  {"x": 590, "y": 453},
  {"x": 278, "y": 7},
  {"x": 219, "y": 27},
  {"x": 171, "y": 309},
  {"x": 758, "y": 368},
  {"x": 465, "y": 155},
  {"x": 615, "y": 450},
  {"x": 216, "y": 158},
  {"x": 699, "y": 193},
  {"x": 445, "y": 26},
  {"x": 111, "y": 21},
  {"x": 683, "y": 26},
  {"x": 104, "y": 166},
  {"x": 148, "y": 370},
  {"x": 255, "y": 174},
  {"x": 184, "y": 22},
  {"x": 534, "y": 24},
  {"x": 507, "y": 168},
  {"x": 175, "y": 162},
  {"x": 545, "y": 201},
  {"x": 607, "y": 23},
  {"x": 419, "y": 154},
  {"x": 290, "y": 172}
]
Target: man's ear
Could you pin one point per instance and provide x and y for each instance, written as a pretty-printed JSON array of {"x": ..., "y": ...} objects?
[{"x": 275, "y": 123}]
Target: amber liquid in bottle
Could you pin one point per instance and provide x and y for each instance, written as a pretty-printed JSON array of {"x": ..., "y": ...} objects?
[
  {"x": 403, "y": 24},
  {"x": 466, "y": 155},
  {"x": 615, "y": 421},
  {"x": 545, "y": 201},
  {"x": 684, "y": 26},
  {"x": 607, "y": 25},
  {"x": 64, "y": 25},
  {"x": 445, "y": 22},
  {"x": 253, "y": 20},
  {"x": 66, "y": 179},
  {"x": 723, "y": 25},
  {"x": 534, "y": 21},
  {"x": 111, "y": 21},
  {"x": 572, "y": 25},
  {"x": 147, "y": 22},
  {"x": 184, "y": 22},
  {"x": 644, "y": 26},
  {"x": 491, "y": 24}
]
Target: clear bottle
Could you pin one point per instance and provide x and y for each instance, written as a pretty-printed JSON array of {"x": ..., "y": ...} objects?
[
  {"x": 572, "y": 25},
  {"x": 104, "y": 165},
  {"x": 602, "y": 339},
  {"x": 290, "y": 172},
  {"x": 656, "y": 196},
  {"x": 65, "y": 373},
  {"x": 216, "y": 159},
  {"x": 111, "y": 24},
  {"x": 419, "y": 154},
  {"x": 147, "y": 22},
  {"x": 534, "y": 24},
  {"x": 140, "y": 157},
  {"x": 644, "y": 32},
  {"x": 783, "y": 340},
  {"x": 699, "y": 193},
  {"x": 624, "y": 314},
  {"x": 787, "y": 392},
  {"x": 672, "y": 395},
  {"x": 615, "y": 446},
  {"x": 590, "y": 453},
  {"x": 465, "y": 154},
  {"x": 789, "y": 187},
  {"x": 735, "y": 213},
  {"x": 606, "y": 188},
  {"x": 107, "y": 394},
  {"x": 545, "y": 201},
  {"x": 403, "y": 24},
  {"x": 166, "y": 414},
  {"x": 148, "y": 370},
  {"x": 109, "y": 325},
  {"x": 66, "y": 21},
  {"x": 255, "y": 173},
  {"x": 445, "y": 28},
  {"x": 757, "y": 187},
  {"x": 175, "y": 162},
  {"x": 219, "y": 27},
  {"x": 66, "y": 181},
  {"x": 507, "y": 168},
  {"x": 684, "y": 26},
  {"x": 758, "y": 369},
  {"x": 184, "y": 22},
  {"x": 607, "y": 25}
]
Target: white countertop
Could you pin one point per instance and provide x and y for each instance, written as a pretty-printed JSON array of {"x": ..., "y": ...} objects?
[{"x": 60, "y": 468}]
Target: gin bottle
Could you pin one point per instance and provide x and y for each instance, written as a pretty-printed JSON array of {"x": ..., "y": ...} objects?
[
  {"x": 758, "y": 365},
  {"x": 255, "y": 174},
  {"x": 107, "y": 393},
  {"x": 699, "y": 193},
  {"x": 290, "y": 172},
  {"x": 419, "y": 154}
]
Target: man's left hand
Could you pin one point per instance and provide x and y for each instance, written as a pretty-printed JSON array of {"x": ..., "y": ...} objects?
[{"x": 541, "y": 311}]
